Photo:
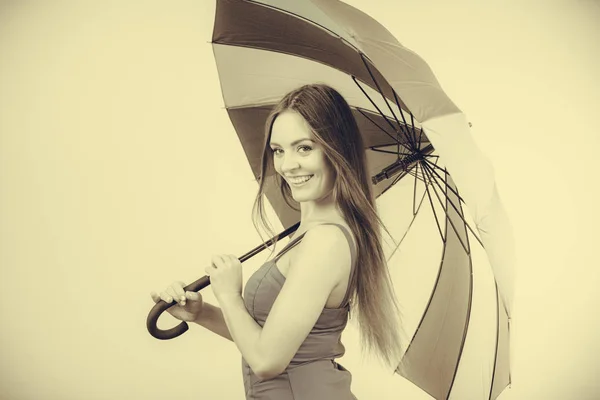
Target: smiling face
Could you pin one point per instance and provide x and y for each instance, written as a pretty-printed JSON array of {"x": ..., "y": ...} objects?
[{"x": 299, "y": 159}]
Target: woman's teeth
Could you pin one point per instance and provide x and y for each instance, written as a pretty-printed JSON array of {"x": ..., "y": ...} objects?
[{"x": 300, "y": 179}]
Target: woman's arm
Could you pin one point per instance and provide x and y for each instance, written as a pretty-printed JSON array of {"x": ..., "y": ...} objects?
[
  {"x": 314, "y": 272},
  {"x": 212, "y": 319}
]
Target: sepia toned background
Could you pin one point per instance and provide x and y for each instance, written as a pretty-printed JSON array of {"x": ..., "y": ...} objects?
[{"x": 120, "y": 172}]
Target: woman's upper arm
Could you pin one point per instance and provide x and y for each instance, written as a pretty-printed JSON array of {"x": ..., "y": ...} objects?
[{"x": 314, "y": 272}]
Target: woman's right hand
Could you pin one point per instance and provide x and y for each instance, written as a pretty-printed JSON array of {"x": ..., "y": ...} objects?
[{"x": 189, "y": 304}]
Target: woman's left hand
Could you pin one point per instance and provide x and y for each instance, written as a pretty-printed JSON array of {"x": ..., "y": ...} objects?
[{"x": 225, "y": 275}]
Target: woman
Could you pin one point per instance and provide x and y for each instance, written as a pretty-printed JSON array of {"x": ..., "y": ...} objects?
[{"x": 290, "y": 319}]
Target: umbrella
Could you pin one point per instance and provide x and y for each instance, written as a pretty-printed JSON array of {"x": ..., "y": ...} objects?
[{"x": 420, "y": 152}]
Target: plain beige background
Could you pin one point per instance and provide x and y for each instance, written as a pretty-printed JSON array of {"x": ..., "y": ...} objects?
[{"x": 120, "y": 172}]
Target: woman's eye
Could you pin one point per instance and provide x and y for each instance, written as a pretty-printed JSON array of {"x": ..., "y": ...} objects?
[
  {"x": 304, "y": 148},
  {"x": 276, "y": 151}
]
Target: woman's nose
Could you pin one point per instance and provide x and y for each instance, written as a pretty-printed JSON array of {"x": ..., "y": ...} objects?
[{"x": 289, "y": 163}]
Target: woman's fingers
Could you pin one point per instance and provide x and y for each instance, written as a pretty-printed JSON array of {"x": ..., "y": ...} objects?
[
  {"x": 175, "y": 292},
  {"x": 173, "y": 295},
  {"x": 217, "y": 261},
  {"x": 155, "y": 297},
  {"x": 178, "y": 292},
  {"x": 166, "y": 297},
  {"x": 171, "y": 292},
  {"x": 193, "y": 296}
]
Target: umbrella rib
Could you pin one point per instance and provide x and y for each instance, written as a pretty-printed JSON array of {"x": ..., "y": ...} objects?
[
  {"x": 412, "y": 124},
  {"x": 445, "y": 208},
  {"x": 403, "y": 236},
  {"x": 420, "y": 138},
  {"x": 384, "y": 145},
  {"x": 508, "y": 338},
  {"x": 497, "y": 339},
  {"x": 362, "y": 57},
  {"x": 467, "y": 319},
  {"x": 377, "y": 125},
  {"x": 415, "y": 194},
  {"x": 455, "y": 209},
  {"x": 385, "y": 98},
  {"x": 437, "y": 282},
  {"x": 442, "y": 169},
  {"x": 470, "y": 302},
  {"x": 386, "y": 151},
  {"x": 453, "y": 205},
  {"x": 435, "y": 214},
  {"x": 416, "y": 175},
  {"x": 470, "y": 288},
  {"x": 421, "y": 202},
  {"x": 375, "y": 105},
  {"x": 383, "y": 151},
  {"x": 397, "y": 152},
  {"x": 402, "y": 114},
  {"x": 396, "y": 179},
  {"x": 392, "y": 144}
]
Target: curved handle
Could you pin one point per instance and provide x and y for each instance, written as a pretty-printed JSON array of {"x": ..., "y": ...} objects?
[
  {"x": 163, "y": 306},
  {"x": 196, "y": 286}
]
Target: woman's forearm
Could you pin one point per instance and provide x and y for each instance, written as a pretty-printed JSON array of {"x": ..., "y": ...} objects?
[{"x": 212, "y": 319}]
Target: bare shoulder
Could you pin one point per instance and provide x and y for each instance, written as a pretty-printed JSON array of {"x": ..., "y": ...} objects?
[
  {"x": 326, "y": 234},
  {"x": 324, "y": 245}
]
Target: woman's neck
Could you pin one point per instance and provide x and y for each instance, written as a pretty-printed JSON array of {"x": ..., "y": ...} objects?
[{"x": 312, "y": 212}]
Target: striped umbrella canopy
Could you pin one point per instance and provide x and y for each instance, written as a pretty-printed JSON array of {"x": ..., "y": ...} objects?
[{"x": 422, "y": 157}]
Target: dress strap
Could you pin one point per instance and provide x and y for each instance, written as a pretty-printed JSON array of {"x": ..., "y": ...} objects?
[{"x": 353, "y": 257}]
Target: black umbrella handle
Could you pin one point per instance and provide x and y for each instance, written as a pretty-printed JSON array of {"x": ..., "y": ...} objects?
[{"x": 161, "y": 306}]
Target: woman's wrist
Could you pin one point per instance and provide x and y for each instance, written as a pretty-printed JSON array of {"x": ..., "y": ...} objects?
[
  {"x": 225, "y": 300},
  {"x": 211, "y": 318},
  {"x": 203, "y": 314}
]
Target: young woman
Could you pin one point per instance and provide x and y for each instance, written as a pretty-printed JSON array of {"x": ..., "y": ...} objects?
[{"x": 289, "y": 321}]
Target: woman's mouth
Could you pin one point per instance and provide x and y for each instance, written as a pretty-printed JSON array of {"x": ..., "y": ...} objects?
[{"x": 299, "y": 180}]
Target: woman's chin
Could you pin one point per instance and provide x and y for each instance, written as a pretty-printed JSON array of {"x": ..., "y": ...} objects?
[
  {"x": 302, "y": 197},
  {"x": 299, "y": 199},
  {"x": 305, "y": 198}
]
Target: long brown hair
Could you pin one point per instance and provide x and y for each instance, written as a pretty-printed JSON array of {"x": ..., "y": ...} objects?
[{"x": 333, "y": 125}]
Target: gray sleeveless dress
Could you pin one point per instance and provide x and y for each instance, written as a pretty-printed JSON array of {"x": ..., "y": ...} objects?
[{"x": 312, "y": 373}]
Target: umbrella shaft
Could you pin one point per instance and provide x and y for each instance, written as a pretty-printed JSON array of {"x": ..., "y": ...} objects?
[{"x": 401, "y": 165}]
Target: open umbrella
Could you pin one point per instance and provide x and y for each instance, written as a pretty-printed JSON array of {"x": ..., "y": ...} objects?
[{"x": 420, "y": 151}]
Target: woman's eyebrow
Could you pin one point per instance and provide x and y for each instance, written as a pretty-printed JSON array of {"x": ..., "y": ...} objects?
[{"x": 295, "y": 142}]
